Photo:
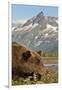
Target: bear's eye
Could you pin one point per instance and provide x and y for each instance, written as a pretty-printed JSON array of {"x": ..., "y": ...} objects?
[{"x": 26, "y": 55}]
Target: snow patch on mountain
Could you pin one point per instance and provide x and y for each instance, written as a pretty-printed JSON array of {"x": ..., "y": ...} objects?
[{"x": 38, "y": 33}]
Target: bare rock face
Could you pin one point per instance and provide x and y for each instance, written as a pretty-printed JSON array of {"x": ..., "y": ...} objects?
[{"x": 26, "y": 62}]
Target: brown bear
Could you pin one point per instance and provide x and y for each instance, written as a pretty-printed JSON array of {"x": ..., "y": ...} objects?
[{"x": 26, "y": 62}]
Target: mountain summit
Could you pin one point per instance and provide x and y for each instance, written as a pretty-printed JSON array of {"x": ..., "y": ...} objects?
[
  {"x": 38, "y": 33},
  {"x": 38, "y": 19}
]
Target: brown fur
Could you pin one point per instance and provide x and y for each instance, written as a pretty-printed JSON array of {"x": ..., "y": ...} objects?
[{"x": 26, "y": 61}]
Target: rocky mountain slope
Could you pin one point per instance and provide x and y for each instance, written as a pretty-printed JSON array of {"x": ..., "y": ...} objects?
[{"x": 38, "y": 33}]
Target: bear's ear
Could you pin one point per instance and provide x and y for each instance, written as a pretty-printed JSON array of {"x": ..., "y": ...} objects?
[{"x": 26, "y": 55}]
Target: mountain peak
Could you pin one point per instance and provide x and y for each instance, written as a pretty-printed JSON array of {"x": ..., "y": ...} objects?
[
  {"x": 40, "y": 19},
  {"x": 40, "y": 14},
  {"x": 37, "y": 19},
  {"x": 38, "y": 33}
]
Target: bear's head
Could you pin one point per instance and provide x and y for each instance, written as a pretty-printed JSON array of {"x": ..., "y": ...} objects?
[{"x": 26, "y": 60}]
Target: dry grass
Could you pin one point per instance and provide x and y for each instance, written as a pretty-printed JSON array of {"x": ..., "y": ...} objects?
[
  {"x": 50, "y": 77},
  {"x": 50, "y": 60}
]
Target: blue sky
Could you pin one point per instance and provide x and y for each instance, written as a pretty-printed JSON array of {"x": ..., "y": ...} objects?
[{"x": 28, "y": 11}]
